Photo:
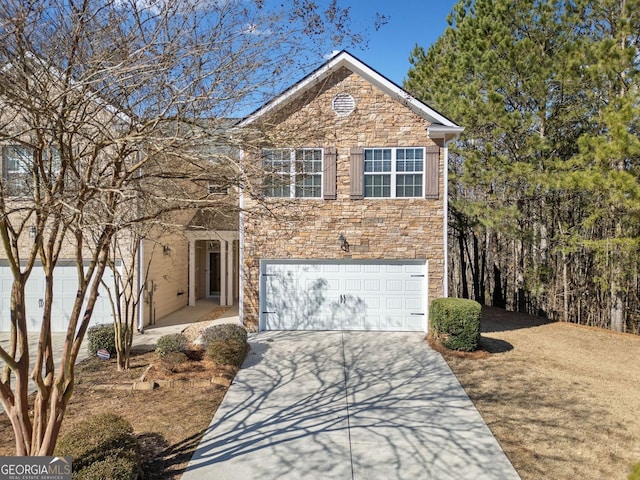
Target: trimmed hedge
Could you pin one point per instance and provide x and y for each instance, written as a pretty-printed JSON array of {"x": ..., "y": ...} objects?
[
  {"x": 102, "y": 336},
  {"x": 227, "y": 353},
  {"x": 455, "y": 323},
  {"x": 228, "y": 332},
  {"x": 174, "y": 342},
  {"x": 102, "y": 446}
]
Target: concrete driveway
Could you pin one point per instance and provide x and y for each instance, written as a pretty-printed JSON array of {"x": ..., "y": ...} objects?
[{"x": 346, "y": 405}]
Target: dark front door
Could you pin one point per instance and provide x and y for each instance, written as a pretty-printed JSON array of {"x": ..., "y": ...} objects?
[{"x": 214, "y": 273}]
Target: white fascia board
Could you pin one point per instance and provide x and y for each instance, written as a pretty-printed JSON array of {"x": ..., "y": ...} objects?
[{"x": 345, "y": 59}]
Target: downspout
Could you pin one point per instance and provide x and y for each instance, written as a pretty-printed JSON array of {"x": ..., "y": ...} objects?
[
  {"x": 140, "y": 286},
  {"x": 445, "y": 205},
  {"x": 140, "y": 264},
  {"x": 241, "y": 251}
]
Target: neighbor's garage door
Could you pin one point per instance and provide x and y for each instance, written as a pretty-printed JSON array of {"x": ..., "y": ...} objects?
[
  {"x": 64, "y": 292},
  {"x": 352, "y": 295}
]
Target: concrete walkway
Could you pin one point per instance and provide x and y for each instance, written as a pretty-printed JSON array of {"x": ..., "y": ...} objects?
[{"x": 352, "y": 405}]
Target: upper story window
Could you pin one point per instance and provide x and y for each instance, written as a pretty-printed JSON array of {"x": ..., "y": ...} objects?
[
  {"x": 17, "y": 165},
  {"x": 393, "y": 172},
  {"x": 293, "y": 172}
]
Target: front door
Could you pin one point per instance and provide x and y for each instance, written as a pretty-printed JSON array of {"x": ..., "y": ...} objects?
[{"x": 214, "y": 274}]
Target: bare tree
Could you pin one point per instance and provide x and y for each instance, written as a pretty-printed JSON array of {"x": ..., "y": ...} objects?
[{"x": 108, "y": 112}]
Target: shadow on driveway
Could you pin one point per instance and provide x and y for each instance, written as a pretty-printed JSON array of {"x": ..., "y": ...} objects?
[{"x": 347, "y": 405}]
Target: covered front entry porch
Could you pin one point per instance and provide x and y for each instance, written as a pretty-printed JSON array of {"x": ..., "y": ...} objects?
[{"x": 213, "y": 266}]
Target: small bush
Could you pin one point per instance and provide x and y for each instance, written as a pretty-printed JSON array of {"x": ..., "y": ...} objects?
[
  {"x": 174, "y": 342},
  {"x": 225, "y": 333},
  {"x": 227, "y": 353},
  {"x": 112, "y": 468},
  {"x": 635, "y": 473},
  {"x": 455, "y": 323},
  {"x": 102, "y": 446},
  {"x": 101, "y": 336}
]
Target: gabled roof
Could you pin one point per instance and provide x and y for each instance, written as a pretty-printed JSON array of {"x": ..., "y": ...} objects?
[{"x": 441, "y": 126}]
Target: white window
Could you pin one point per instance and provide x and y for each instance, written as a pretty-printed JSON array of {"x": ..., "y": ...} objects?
[
  {"x": 393, "y": 172},
  {"x": 17, "y": 165},
  {"x": 293, "y": 172}
]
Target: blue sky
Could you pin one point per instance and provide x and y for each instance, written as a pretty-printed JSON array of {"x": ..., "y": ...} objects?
[{"x": 410, "y": 22}]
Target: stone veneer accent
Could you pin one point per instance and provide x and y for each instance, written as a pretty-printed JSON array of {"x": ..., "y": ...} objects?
[{"x": 390, "y": 229}]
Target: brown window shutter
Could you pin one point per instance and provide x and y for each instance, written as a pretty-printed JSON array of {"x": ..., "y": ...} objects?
[
  {"x": 329, "y": 174},
  {"x": 356, "y": 173},
  {"x": 431, "y": 172}
]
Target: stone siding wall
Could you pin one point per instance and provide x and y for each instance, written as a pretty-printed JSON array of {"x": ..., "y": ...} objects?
[{"x": 393, "y": 229}]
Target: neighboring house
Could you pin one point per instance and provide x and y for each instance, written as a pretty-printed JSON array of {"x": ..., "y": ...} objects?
[{"x": 342, "y": 224}]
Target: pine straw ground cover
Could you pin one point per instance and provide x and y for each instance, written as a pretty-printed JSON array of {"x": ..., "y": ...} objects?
[
  {"x": 563, "y": 400},
  {"x": 168, "y": 422}
]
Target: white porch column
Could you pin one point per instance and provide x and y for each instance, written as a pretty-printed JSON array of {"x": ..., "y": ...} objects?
[
  {"x": 229, "y": 279},
  {"x": 192, "y": 273},
  {"x": 223, "y": 272}
]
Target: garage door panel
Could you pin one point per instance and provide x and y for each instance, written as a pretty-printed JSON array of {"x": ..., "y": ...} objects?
[
  {"x": 414, "y": 304},
  {"x": 414, "y": 323},
  {"x": 394, "y": 285},
  {"x": 413, "y": 285},
  {"x": 350, "y": 295}
]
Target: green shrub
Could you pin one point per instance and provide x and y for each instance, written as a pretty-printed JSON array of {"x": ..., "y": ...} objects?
[
  {"x": 227, "y": 353},
  {"x": 174, "y": 342},
  {"x": 225, "y": 333},
  {"x": 635, "y": 473},
  {"x": 455, "y": 323},
  {"x": 112, "y": 468},
  {"x": 102, "y": 336},
  {"x": 102, "y": 446}
]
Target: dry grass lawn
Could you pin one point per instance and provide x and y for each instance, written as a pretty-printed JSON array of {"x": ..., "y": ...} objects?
[{"x": 563, "y": 400}]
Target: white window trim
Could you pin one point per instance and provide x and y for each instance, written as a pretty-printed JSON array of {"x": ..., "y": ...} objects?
[
  {"x": 292, "y": 172},
  {"x": 394, "y": 173}
]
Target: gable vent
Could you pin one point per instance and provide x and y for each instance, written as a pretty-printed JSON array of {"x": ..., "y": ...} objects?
[{"x": 343, "y": 104}]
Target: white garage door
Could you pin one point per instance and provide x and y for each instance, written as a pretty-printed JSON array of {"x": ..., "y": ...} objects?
[
  {"x": 343, "y": 295},
  {"x": 64, "y": 292}
]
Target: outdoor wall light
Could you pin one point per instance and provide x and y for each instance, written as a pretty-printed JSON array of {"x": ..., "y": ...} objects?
[
  {"x": 32, "y": 231},
  {"x": 166, "y": 249},
  {"x": 344, "y": 245}
]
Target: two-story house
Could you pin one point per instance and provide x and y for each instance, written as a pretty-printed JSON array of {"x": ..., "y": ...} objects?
[{"x": 351, "y": 229}]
